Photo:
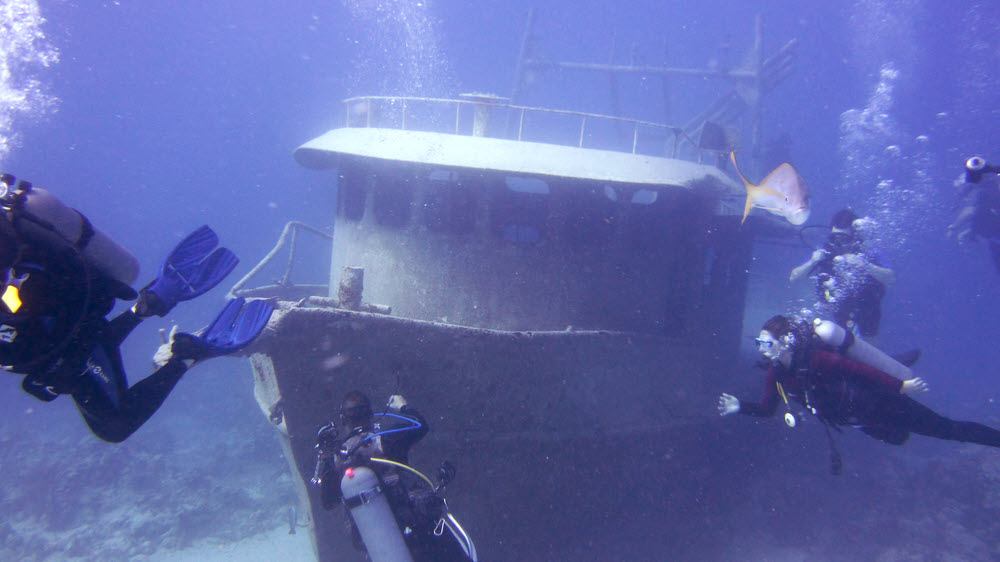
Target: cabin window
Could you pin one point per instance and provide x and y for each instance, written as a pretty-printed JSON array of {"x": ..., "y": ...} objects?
[
  {"x": 644, "y": 197},
  {"x": 351, "y": 193},
  {"x": 639, "y": 197},
  {"x": 588, "y": 210},
  {"x": 450, "y": 202},
  {"x": 519, "y": 212},
  {"x": 521, "y": 233},
  {"x": 526, "y": 185},
  {"x": 443, "y": 176},
  {"x": 392, "y": 198}
]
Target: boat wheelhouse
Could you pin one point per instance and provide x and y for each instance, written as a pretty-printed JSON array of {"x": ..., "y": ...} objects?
[{"x": 555, "y": 290}]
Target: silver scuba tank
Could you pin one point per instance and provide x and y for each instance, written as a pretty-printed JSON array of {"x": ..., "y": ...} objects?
[
  {"x": 97, "y": 248},
  {"x": 368, "y": 506},
  {"x": 860, "y": 350}
]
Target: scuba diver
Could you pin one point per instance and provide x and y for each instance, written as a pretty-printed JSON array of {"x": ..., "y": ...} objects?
[
  {"x": 980, "y": 214},
  {"x": 61, "y": 277},
  {"x": 396, "y": 512},
  {"x": 845, "y": 381},
  {"x": 850, "y": 283}
]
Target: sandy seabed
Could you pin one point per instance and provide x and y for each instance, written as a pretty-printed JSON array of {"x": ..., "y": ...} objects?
[{"x": 270, "y": 546}]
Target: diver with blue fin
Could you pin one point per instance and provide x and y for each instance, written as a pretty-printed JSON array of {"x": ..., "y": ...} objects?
[{"x": 61, "y": 277}]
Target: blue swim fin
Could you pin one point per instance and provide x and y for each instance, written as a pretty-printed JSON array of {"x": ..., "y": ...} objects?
[
  {"x": 234, "y": 328},
  {"x": 194, "y": 267}
]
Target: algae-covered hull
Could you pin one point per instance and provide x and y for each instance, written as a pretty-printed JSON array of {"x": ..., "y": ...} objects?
[{"x": 536, "y": 422}]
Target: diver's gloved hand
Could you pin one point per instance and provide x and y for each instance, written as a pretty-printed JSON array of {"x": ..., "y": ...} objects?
[
  {"x": 728, "y": 404},
  {"x": 396, "y": 402},
  {"x": 195, "y": 266},
  {"x": 914, "y": 386},
  {"x": 234, "y": 328}
]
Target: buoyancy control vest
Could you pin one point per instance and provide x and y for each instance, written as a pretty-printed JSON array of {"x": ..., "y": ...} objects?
[
  {"x": 825, "y": 397},
  {"x": 58, "y": 275}
]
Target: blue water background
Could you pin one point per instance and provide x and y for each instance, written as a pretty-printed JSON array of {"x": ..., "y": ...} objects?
[{"x": 172, "y": 115}]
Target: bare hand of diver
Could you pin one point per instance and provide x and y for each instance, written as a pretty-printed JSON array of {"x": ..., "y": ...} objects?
[
  {"x": 396, "y": 402},
  {"x": 849, "y": 259},
  {"x": 865, "y": 226},
  {"x": 818, "y": 255},
  {"x": 914, "y": 386},
  {"x": 165, "y": 351},
  {"x": 728, "y": 404}
]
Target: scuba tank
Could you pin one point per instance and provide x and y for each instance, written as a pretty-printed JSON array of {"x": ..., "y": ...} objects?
[
  {"x": 367, "y": 504},
  {"x": 41, "y": 219},
  {"x": 859, "y": 350},
  {"x": 364, "y": 495}
]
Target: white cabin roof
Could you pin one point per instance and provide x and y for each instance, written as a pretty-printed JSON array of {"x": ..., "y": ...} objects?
[{"x": 513, "y": 156}]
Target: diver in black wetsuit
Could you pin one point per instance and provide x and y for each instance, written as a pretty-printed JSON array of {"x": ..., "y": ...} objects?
[
  {"x": 850, "y": 282},
  {"x": 61, "y": 277},
  {"x": 382, "y": 443}
]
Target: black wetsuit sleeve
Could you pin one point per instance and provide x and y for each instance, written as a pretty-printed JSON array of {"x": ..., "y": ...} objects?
[
  {"x": 396, "y": 446},
  {"x": 329, "y": 489},
  {"x": 412, "y": 437},
  {"x": 768, "y": 402}
]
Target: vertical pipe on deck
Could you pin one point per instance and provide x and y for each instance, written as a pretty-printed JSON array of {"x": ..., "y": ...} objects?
[
  {"x": 758, "y": 79},
  {"x": 286, "y": 279},
  {"x": 521, "y": 56}
]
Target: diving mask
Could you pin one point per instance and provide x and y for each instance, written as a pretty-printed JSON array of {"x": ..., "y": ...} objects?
[
  {"x": 841, "y": 237},
  {"x": 769, "y": 346}
]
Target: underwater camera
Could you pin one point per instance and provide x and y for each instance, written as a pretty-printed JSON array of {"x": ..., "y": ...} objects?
[{"x": 975, "y": 167}]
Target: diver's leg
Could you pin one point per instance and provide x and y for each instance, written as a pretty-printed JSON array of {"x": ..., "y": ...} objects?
[
  {"x": 881, "y": 416},
  {"x": 115, "y": 421},
  {"x": 890, "y": 434},
  {"x": 921, "y": 419}
]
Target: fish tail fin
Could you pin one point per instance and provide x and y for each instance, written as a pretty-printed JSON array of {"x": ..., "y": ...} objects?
[
  {"x": 732, "y": 156},
  {"x": 746, "y": 210},
  {"x": 750, "y": 188}
]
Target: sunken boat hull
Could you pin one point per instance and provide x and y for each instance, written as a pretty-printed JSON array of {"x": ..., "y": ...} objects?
[
  {"x": 559, "y": 310},
  {"x": 539, "y": 361},
  {"x": 530, "y": 419}
]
